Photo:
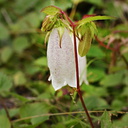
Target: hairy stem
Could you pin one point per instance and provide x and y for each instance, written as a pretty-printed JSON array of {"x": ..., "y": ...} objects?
[{"x": 77, "y": 79}]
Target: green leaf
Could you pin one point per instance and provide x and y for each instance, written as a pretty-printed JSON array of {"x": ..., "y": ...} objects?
[
  {"x": 64, "y": 5},
  {"x": 117, "y": 104},
  {"x": 21, "y": 6},
  {"x": 85, "y": 43},
  {"x": 32, "y": 19},
  {"x": 126, "y": 78},
  {"x": 28, "y": 23},
  {"x": 94, "y": 74},
  {"x": 95, "y": 51},
  {"x": 122, "y": 122},
  {"x": 59, "y": 125},
  {"x": 6, "y": 54},
  {"x": 94, "y": 91},
  {"x": 4, "y": 33},
  {"x": 1, "y": 1},
  {"x": 94, "y": 102},
  {"x": 19, "y": 97},
  {"x": 20, "y": 44},
  {"x": 22, "y": 125},
  {"x": 112, "y": 79},
  {"x": 32, "y": 69},
  {"x": 51, "y": 10},
  {"x": 42, "y": 61},
  {"x": 106, "y": 120},
  {"x": 19, "y": 78},
  {"x": 125, "y": 91},
  {"x": 4, "y": 122},
  {"x": 75, "y": 123},
  {"x": 5, "y": 82},
  {"x": 35, "y": 109},
  {"x": 96, "y": 2},
  {"x": 93, "y": 18}
]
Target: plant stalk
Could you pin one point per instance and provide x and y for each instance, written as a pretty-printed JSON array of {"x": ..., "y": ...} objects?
[
  {"x": 6, "y": 111},
  {"x": 77, "y": 79},
  {"x": 77, "y": 69}
]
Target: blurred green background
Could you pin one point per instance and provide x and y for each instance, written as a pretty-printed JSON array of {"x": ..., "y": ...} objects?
[{"x": 24, "y": 87}]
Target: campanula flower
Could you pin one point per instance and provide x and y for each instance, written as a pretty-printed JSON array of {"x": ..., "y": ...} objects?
[{"x": 61, "y": 60}]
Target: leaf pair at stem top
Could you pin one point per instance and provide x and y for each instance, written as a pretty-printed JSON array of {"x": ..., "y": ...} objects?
[{"x": 84, "y": 29}]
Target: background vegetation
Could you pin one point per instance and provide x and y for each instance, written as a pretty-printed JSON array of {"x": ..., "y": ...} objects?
[{"x": 24, "y": 89}]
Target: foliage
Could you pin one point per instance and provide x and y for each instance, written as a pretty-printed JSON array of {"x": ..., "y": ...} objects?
[{"x": 25, "y": 92}]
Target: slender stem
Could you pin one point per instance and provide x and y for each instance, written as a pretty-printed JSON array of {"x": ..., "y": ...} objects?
[
  {"x": 6, "y": 110},
  {"x": 77, "y": 78},
  {"x": 73, "y": 11},
  {"x": 77, "y": 69}
]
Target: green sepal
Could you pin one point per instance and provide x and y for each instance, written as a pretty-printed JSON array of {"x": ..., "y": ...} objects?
[
  {"x": 60, "y": 25},
  {"x": 61, "y": 32},
  {"x": 93, "y": 28},
  {"x": 51, "y": 10},
  {"x": 93, "y": 18},
  {"x": 48, "y": 23},
  {"x": 85, "y": 42},
  {"x": 46, "y": 37}
]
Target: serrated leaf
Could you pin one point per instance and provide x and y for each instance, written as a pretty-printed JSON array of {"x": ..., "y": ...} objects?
[
  {"x": 93, "y": 28},
  {"x": 4, "y": 122},
  {"x": 5, "y": 83},
  {"x": 112, "y": 79},
  {"x": 4, "y": 33},
  {"x": 96, "y": 51},
  {"x": 59, "y": 125},
  {"x": 42, "y": 61},
  {"x": 21, "y": 6},
  {"x": 85, "y": 43},
  {"x": 20, "y": 44},
  {"x": 93, "y": 18},
  {"x": 35, "y": 109},
  {"x": 95, "y": 74},
  {"x": 94, "y": 102},
  {"x": 122, "y": 122},
  {"x": 6, "y": 54},
  {"x": 19, "y": 78},
  {"x": 106, "y": 120},
  {"x": 32, "y": 19},
  {"x": 51, "y": 10},
  {"x": 19, "y": 97}
]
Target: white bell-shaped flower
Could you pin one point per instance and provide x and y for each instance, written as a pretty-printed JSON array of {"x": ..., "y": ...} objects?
[{"x": 61, "y": 61}]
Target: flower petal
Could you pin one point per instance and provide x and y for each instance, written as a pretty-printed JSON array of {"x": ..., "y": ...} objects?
[
  {"x": 69, "y": 60},
  {"x": 82, "y": 65},
  {"x": 61, "y": 60},
  {"x": 83, "y": 70},
  {"x": 55, "y": 60}
]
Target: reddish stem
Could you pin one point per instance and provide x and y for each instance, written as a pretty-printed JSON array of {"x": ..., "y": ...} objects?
[
  {"x": 77, "y": 69},
  {"x": 77, "y": 79},
  {"x": 102, "y": 44}
]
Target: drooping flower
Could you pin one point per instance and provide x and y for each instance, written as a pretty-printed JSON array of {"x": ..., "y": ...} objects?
[{"x": 61, "y": 60}]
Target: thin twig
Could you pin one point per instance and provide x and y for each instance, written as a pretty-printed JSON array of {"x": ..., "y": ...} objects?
[
  {"x": 6, "y": 110},
  {"x": 73, "y": 11},
  {"x": 65, "y": 113},
  {"x": 6, "y": 16}
]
